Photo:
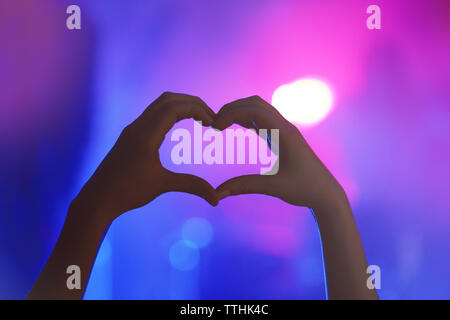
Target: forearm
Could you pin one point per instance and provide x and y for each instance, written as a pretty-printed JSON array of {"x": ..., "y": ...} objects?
[
  {"x": 77, "y": 245},
  {"x": 345, "y": 260}
]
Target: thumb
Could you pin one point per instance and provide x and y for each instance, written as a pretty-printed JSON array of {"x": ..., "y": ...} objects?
[
  {"x": 253, "y": 183},
  {"x": 194, "y": 185}
]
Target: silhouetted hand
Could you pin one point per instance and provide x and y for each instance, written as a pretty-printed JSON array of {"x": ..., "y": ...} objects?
[
  {"x": 301, "y": 180},
  {"x": 131, "y": 175}
]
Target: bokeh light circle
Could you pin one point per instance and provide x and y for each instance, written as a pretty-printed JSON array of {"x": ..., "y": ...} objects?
[
  {"x": 183, "y": 257},
  {"x": 306, "y": 101},
  {"x": 197, "y": 232}
]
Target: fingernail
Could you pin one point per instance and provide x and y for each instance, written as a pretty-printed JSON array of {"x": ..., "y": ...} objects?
[{"x": 223, "y": 194}]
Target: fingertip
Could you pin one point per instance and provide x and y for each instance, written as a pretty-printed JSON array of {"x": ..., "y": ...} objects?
[
  {"x": 219, "y": 125},
  {"x": 223, "y": 194},
  {"x": 213, "y": 200},
  {"x": 206, "y": 120},
  {"x": 210, "y": 195},
  {"x": 211, "y": 112}
]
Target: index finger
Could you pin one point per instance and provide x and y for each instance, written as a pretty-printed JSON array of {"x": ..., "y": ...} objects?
[
  {"x": 253, "y": 101},
  {"x": 246, "y": 113},
  {"x": 172, "y": 97},
  {"x": 176, "y": 111}
]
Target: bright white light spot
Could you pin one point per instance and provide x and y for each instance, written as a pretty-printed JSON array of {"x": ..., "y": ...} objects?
[{"x": 306, "y": 101}]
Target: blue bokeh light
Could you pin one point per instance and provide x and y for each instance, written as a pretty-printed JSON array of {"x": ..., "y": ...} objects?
[
  {"x": 197, "y": 232},
  {"x": 183, "y": 257}
]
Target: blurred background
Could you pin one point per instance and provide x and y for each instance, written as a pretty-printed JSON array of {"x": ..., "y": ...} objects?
[{"x": 65, "y": 96}]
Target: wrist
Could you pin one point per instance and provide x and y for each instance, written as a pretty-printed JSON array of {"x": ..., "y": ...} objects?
[
  {"x": 88, "y": 213},
  {"x": 333, "y": 203}
]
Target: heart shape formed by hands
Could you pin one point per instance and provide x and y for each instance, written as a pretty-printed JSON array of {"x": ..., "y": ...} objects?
[{"x": 131, "y": 175}]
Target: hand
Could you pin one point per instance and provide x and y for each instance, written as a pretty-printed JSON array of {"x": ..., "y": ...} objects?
[
  {"x": 131, "y": 175},
  {"x": 301, "y": 180}
]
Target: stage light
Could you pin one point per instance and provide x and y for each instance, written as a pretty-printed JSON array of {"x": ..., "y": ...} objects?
[
  {"x": 306, "y": 101},
  {"x": 183, "y": 257},
  {"x": 197, "y": 232}
]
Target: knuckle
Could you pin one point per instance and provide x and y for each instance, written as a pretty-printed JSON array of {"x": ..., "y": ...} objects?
[
  {"x": 129, "y": 134},
  {"x": 259, "y": 99},
  {"x": 166, "y": 95},
  {"x": 197, "y": 98},
  {"x": 128, "y": 130},
  {"x": 198, "y": 101},
  {"x": 132, "y": 133},
  {"x": 225, "y": 107}
]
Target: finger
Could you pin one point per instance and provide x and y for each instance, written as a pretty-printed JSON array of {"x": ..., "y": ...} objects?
[
  {"x": 269, "y": 134},
  {"x": 259, "y": 118},
  {"x": 259, "y": 104},
  {"x": 253, "y": 183},
  {"x": 251, "y": 125},
  {"x": 242, "y": 114},
  {"x": 194, "y": 185},
  {"x": 177, "y": 111},
  {"x": 169, "y": 97},
  {"x": 253, "y": 100}
]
